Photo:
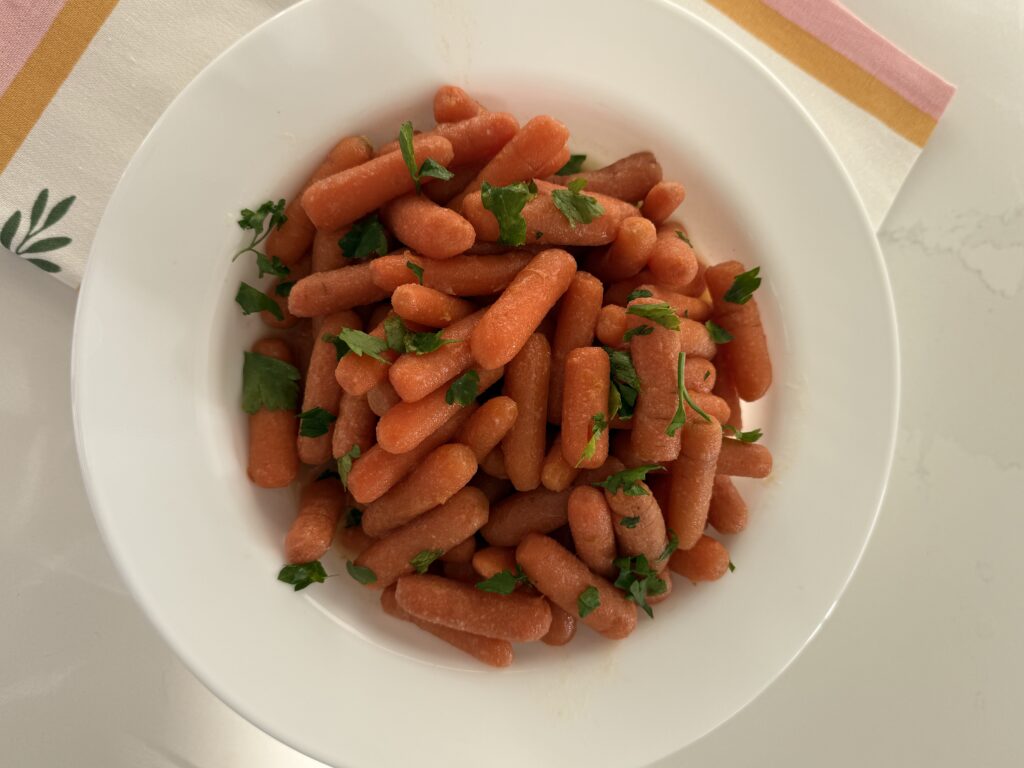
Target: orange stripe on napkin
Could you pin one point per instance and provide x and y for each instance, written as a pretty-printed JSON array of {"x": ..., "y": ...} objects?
[
  {"x": 46, "y": 69},
  {"x": 830, "y": 67}
]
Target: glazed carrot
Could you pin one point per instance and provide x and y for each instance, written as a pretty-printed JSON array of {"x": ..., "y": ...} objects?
[
  {"x": 442, "y": 473},
  {"x": 458, "y": 276},
  {"x": 662, "y": 200},
  {"x": 591, "y": 476},
  {"x": 554, "y": 163},
  {"x": 376, "y": 471},
  {"x": 442, "y": 192},
  {"x": 452, "y": 104},
  {"x": 574, "y": 327},
  {"x": 628, "y": 253},
  {"x": 327, "y": 253},
  {"x": 645, "y": 532},
  {"x": 292, "y": 239},
  {"x": 522, "y": 158},
  {"x": 563, "y": 627},
  {"x": 495, "y": 653},
  {"x": 556, "y": 474},
  {"x": 671, "y": 263},
  {"x": 462, "y": 572},
  {"x": 707, "y": 560},
  {"x": 712, "y": 405},
  {"x": 727, "y": 512},
  {"x": 312, "y": 531},
  {"x": 441, "y": 528},
  {"x": 461, "y": 553},
  {"x": 699, "y": 374},
  {"x": 543, "y": 216},
  {"x": 484, "y": 430},
  {"x": 585, "y": 408},
  {"x": 526, "y": 383},
  {"x": 322, "y": 293},
  {"x": 517, "y": 617},
  {"x": 692, "y": 477},
  {"x": 629, "y": 179},
  {"x": 344, "y": 197},
  {"x": 744, "y": 459},
  {"x": 406, "y": 425},
  {"x": 509, "y": 321},
  {"x": 494, "y": 488},
  {"x": 273, "y": 455},
  {"x": 687, "y": 307},
  {"x": 321, "y": 388},
  {"x": 354, "y": 540},
  {"x": 539, "y": 511},
  {"x": 726, "y": 390},
  {"x": 356, "y": 425},
  {"x": 694, "y": 339},
  {"x": 381, "y": 399},
  {"x": 491, "y": 560},
  {"x": 611, "y": 325},
  {"x": 561, "y": 576},
  {"x": 593, "y": 529},
  {"x": 358, "y": 375},
  {"x": 493, "y": 464},
  {"x": 427, "y": 306},
  {"x": 479, "y": 138},
  {"x": 426, "y": 227},
  {"x": 416, "y": 376},
  {"x": 748, "y": 359},
  {"x": 296, "y": 271},
  {"x": 655, "y": 359}
]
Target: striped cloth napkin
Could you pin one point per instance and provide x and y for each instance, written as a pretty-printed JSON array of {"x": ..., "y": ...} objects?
[{"x": 82, "y": 82}]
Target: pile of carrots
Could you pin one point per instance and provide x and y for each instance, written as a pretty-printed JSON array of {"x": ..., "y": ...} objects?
[{"x": 574, "y": 426}]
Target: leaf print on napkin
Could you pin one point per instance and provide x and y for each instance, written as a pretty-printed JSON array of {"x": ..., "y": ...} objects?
[{"x": 10, "y": 230}]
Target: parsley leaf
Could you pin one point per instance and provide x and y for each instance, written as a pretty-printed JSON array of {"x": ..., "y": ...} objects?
[
  {"x": 743, "y": 285},
  {"x": 660, "y": 312},
  {"x": 268, "y": 383},
  {"x": 416, "y": 270},
  {"x": 628, "y": 480},
  {"x": 575, "y": 165},
  {"x": 358, "y": 343},
  {"x": 731, "y": 567},
  {"x": 598, "y": 425},
  {"x": 345, "y": 465},
  {"x": 679, "y": 417},
  {"x": 283, "y": 289},
  {"x": 503, "y": 582},
  {"x": 394, "y": 333},
  {"x": 639, "y": 293},
  {"x": 629, "y": 522},
  {"x": 315, "y": 422},
  {"x": 430, "y": 167},
  {"x": 353, "y": 517},
  {"x": 638, "y": 580},
  {"x": 401, "y": 339},
  {"x": 464, "y": 389},
  {"x": 625, "y": 384},
  {"x": 423, "y": 560},
  {"x": 640, "y": 330},
  {"x": 507, "y": 203},
  {"x": 364, "y": 239},
  {"x": 670, "y": 547},
  {"x": 589, "y": 600},
  {"x": 744, "y": 437},
  {"x": 682, "y": 236},
  {"x": 360, "y": 573},
  {"x": 577, "y": 208},
  {"x": 718, "y": 334},
  {"x": 255, "y": 221},
  {"x": 254, "y": 300},
  {"x": 301, "y": 575},
  {"x": 272, "y": 266}
]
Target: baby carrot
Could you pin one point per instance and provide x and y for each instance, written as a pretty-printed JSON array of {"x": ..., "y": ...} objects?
[
  {"x": 321, "y": 388},
  {"x": 712, "y": 405},
  {"x": 442, "y": 528},
  {"x": 741, "y": 459},
  {"x": 574, "y": 327},
  {"x": 426, "y": 227},
  {"x": 593, "y": 529},
  {"x": 322, "y": 293},
  {"x": 563, "y": 627},
  {"x": 699, "y": 374},
  {"x": 671, "y": 263},
  {"x": 611, "y": 325},
  {"x": 707, "y": 560},
  {"x": 727, "y": 512},
  {"x": 655, "y": 359},
  {"x": 556, "y": 474},
  {"x": 452, "y": 104},
  {"x": 638, "y": 524},
  {"x": 457, "y": 276},
  {"x": 416, "y": 376},
  {"x": 442, "y": 192},
  {"x": 484, "y": 430},
  {"x": 407, "y": 425},
  {"x": 353, "y": 541},
  {"x": 357, "y": 375},
  {"x": 381, "y": 399},
  {"x": 491, "y": 560},
  {"x": 747, "y": 355},
  {"x": 629, "y": 179},
  {"x": 442, "y": 473},
  {"x": 312, "y": 531},
  {"x": 419, "y": 304},
  {"x": 725, "y": 389},
  {"x": 479, "y": 138},
  {"x": 493, "y": 464},
  {"x": 273, "y": 455},
  {"x": 461, "y": 553},
  {"x": 539, "y": 511},
  {"x": 694, "y": 339},
  {"x": 526, "y": 383},
  {"x": 356, "y": 425},
  {"x": 509, "y": 321},
  {"x": 562, "y": 577},
  {"x": 692, "y": 477},
  {"x": 628, "y": 253},
  {"x": 344, "y": 197},
  {"x": 585, "y": 408},
  {"x": 662, "y": 200}
]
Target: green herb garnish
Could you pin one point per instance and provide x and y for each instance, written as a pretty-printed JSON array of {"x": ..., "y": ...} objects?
[
  {"x": 503, "y": 582},
  {"x": 575, "y": 165},
  {"x": 660, "y": 312},
  {"x": 670, "y": 547},
  {"x": 301, "y": 575},
  {"x": 430, "y": 167},
  {"x": 639, "y": 293},
  {"x": 315, "y": 422},
  {"x": 507, "y": 203},
  {"x": 743, "y": 286},
  {"x": 255, "y": 221},
  {"x": 366, "y": 238},
  {"x": 744, "y": 437},
  {"x": 358, "y": 343},
  {"x": 416, "y": 269},
  {"x": 345, "y": 465},
  {"x": 360, "y": 573},
  {"x": 576, "y": 207},
  {"x": 718, "y": 334},
  {"x": 640, "y": 330},
  {"x": 464, "y": 389},
  {"x": 254, "y": 300},
  {"x": 628, "y": 481},
  {"x": 273, "y": 266},
  {"x": 639, "y": 581},
  {"x": 629, "y": 522},
  {"x": 401, "y": 339},
  {"x": 423, "y": 560},
  {"x": 682, "y": 236},
  {"x": 625, "y": 384},
  {"x": 268, "y": 383},
  {"x": 597, "y": 427},
  {"x": 588, "y": 601}
]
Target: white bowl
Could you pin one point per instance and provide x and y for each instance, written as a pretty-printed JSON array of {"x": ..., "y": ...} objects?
[{"x": 158, "y": 351}]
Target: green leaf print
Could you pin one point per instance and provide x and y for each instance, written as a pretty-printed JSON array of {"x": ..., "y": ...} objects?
[{"x": 28, "y": 244}]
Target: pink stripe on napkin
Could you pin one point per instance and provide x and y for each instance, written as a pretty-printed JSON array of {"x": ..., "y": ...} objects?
[{"x": 22, "y": 25}]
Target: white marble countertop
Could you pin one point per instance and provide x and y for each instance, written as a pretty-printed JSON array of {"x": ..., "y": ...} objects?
[{"x": 920, "y": 663}]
